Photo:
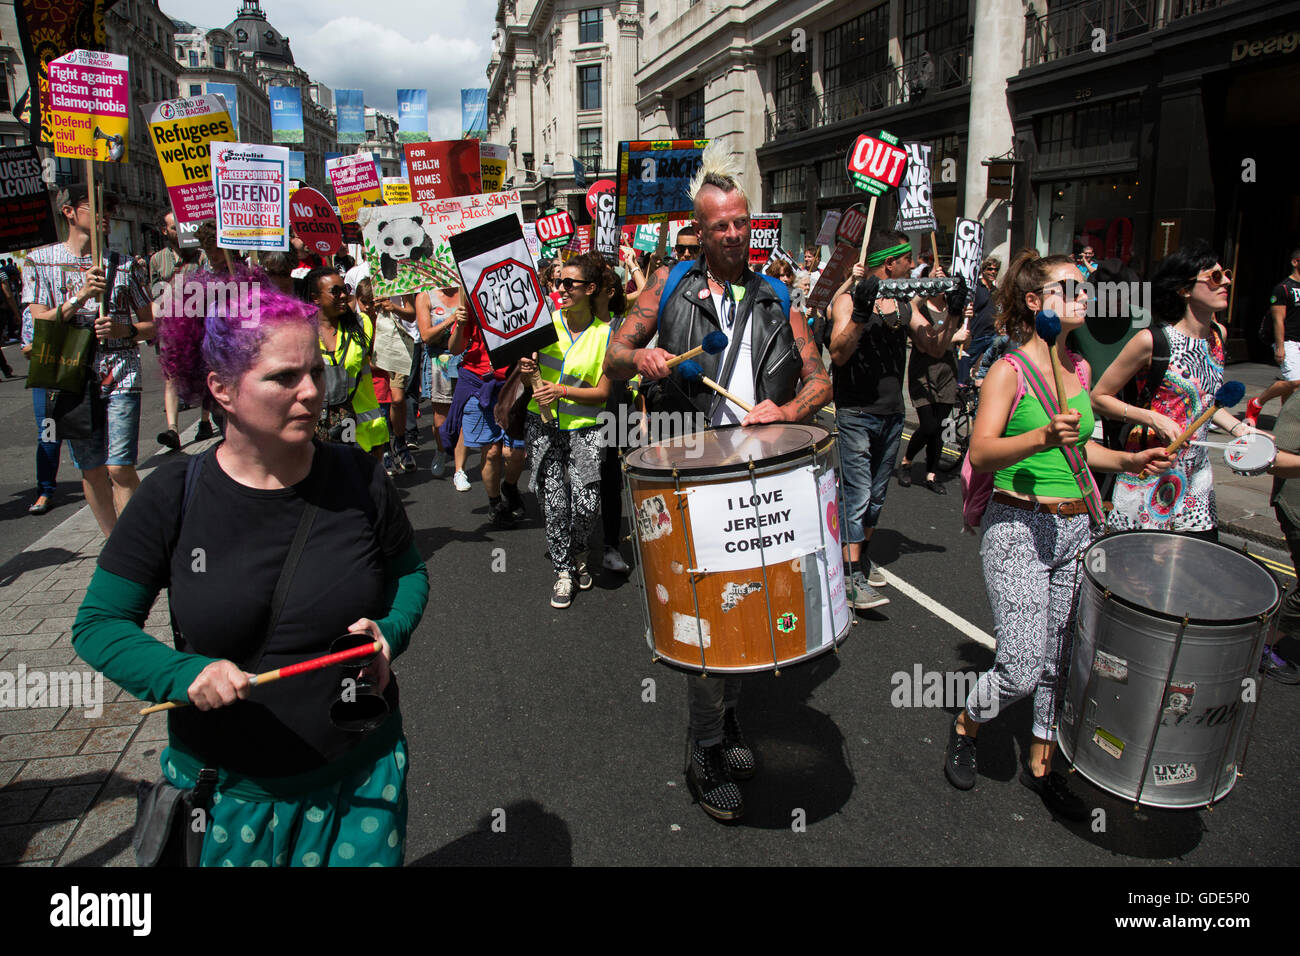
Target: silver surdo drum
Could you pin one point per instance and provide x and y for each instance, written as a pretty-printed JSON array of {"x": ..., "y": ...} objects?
[{"x": 1165, "y": 666}]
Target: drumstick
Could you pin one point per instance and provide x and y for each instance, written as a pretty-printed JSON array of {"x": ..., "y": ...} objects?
[
  {"x": 293, "y": 670},
  {"x": 1048, "y": 325},
  {"x": 1229, "y": 394},
  {"x": 692, "y": 372},
  {"x": 713, "y": 343}
]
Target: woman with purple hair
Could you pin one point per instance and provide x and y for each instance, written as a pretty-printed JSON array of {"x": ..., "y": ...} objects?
[{"x": 241, "y": 537}]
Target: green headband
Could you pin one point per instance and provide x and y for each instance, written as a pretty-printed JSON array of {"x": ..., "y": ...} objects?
[{"x": 878, "y": 258}]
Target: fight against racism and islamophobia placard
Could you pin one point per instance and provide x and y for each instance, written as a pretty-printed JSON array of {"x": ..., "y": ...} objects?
[
  {"x": 412, "y": 116},
  {"x": 286, "y": 114},
  {"x": 500, "y": 282},
  {"x": 89, "y": 104},
  {"x": 26, "y": 216},
  {"x": 182, "y": 132},
  {"x": 442, "y": 169},
  {"x": 230, "y": 93},
  {"x": 654, "y": 178},
  {"x": 967, "y": 250},
  {"x": 915, "y": 212},
  {"x": 406, "y": 246},
  {"x": 314, "y": 221},
  {"x": 350, "y": 110},
  {"x": 356, "y": 183},
  {"x": 764, "y": 238},
  {"x": 251, "y": 183},
  {"x": 297, "y": 165},
  {"x": 492, "y": 166}
]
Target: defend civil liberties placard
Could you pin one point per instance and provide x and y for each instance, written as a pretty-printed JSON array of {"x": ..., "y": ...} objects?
[
  {"x": 251, "y": 183},
  {"x": 182, "y": 132},
  {"x": 356, "y": 183},
  {"x": 89, "y": 105}
]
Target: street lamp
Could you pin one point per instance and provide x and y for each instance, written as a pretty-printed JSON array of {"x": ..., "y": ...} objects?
[{"x": 546, "y": 171}]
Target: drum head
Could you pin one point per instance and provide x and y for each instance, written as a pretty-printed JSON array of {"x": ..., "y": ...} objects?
[
  {"x": 726, "y": 449},
  {"x": 1250, "y": 454},
  {"x": 1172, "y": 575}
]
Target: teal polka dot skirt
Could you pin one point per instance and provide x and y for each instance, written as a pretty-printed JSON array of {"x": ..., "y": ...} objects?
[{"x": 359, "y": 821}]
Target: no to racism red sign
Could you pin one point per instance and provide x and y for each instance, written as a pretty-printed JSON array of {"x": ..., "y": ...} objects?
[{"x": 314, "y": 221}]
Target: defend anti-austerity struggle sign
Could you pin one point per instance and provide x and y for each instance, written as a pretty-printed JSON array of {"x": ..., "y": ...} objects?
[{"x": 251, "y": 184}]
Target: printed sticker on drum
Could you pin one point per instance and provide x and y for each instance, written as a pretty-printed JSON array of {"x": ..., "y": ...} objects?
[
  {"x": 653, "y": 520},
  {"x": 1110, "y": 666},
  {"x": 1172, "y": 774},
  {"x": 1179, "y": 698},
  {"x": 1109, "y": 743},
  {"x": 688, "y": 629},
  {"x": 733, "y": 593}
]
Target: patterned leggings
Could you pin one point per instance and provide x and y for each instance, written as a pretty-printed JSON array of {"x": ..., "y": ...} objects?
[
  {"x": 1029, "y": 570},
  {"x": 566, "y": 467}
]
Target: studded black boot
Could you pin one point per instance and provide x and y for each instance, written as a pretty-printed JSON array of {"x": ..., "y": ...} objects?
[
  {"x": 739, "y": 758},
  {"x": 711, "y": 785}
]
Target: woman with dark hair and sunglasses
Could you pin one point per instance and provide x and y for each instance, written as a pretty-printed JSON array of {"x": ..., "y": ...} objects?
[
  {"x": 1187, "y": 290},
  {"x": 292, "y": 788},
  {"x": 566, "y": 449}
]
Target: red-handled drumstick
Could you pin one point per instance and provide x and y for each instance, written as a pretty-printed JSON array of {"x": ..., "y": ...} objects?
[{"x": 293, "y": 670}]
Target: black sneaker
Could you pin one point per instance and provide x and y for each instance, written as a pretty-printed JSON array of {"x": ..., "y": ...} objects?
[
  {"x": 170, "y": 439},
  {"x": 1281, "y": 670},
  {"x": 204, "y": 431},
  {"x": 711, "y": 785},
  {"x": 501, "y": 514},
  {"x": 516, "y": 501},
  {"x": 959, "y": 764},
  {"x": 1056, "y": 794},
  {"x": 738, "y": 757}
]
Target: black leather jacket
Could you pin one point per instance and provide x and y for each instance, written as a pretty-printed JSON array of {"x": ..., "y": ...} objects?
[{"x": 684, "y": 320}]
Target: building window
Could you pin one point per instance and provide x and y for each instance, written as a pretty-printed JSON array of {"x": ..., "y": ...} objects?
[
  {"x": 194, "y": 58},
  {"x": 196, "y": 89},
  {"x": 857, "y": 49},
  {"x": 589, "y": 26},
  {"x": 1084, "y": 136},
  {"x": 219, "y": 57},
  {"x": 589, "y": 152},
  {"x": 589, "y": 87},
  {"x": 690, "y": 115},
  {"x": 788, "y": 185},
  {"x": 932, "y": 26},
  {"x": 5, "y": 104},
  {"x": 793, "y": 78},
  {"x": 833, "y": 178},
  {"x": 180, "y": 53}
]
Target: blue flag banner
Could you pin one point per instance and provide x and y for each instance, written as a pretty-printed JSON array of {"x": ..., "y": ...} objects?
[
  {"x": 412, "y": 116},
  {"x": 297, "y": 165},
  {"x": 579, "y": 174},
  {"x": 286, "y": 114},
  {"x": 473, "y": 114},
  {"x": 350, "y": 107},
  {"x": 231, "y": 94},
  {"x": 329, "y": 156}
]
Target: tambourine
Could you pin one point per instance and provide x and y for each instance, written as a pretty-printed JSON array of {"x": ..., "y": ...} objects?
[
  {"x": 904, "y": 289},
  {"x": 1250, "y": 454}
]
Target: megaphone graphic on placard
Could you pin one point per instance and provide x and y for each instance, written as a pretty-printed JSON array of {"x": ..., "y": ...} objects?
[{"x": 116, "y": 145}]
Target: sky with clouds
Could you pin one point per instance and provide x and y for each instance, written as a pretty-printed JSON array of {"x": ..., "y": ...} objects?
[{"x": 377, "y": 45}]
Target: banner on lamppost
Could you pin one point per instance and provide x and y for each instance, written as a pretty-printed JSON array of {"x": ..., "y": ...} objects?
[
  {"x": 473, "y": 113},
  {"x": 230, "y": 93},
  {"x": 412, "y": 116},
  {"x": 350, "y": 107},
  {"x": 286, "y": 114}
]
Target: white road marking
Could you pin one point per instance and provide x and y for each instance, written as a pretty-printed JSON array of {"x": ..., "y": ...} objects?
[{"x": 980, "y": 637}]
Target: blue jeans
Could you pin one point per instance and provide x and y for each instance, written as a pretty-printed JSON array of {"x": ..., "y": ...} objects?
[
  {"x": 974, "y": 349},
  {"x": 115, "y": 442},
  {"x": 868, "y": 449},
  {"x": 47, "y": 452}
]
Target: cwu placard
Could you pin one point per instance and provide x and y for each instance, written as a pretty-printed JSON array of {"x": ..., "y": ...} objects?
[
  {"x": 967, "y": 250},
  {"x": 915, "y": 212}
]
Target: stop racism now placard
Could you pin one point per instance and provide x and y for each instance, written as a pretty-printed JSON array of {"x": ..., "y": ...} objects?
[{"x": 314, "y": 221}]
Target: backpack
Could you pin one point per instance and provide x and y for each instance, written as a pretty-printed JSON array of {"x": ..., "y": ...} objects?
[{"x": 1116, "y": 434}]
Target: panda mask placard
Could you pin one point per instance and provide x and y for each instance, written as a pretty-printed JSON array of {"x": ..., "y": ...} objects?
[{"x": 406, "y": 245}]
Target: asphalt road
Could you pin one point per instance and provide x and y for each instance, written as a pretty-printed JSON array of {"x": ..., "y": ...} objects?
[{"x": 550, "y": 737}]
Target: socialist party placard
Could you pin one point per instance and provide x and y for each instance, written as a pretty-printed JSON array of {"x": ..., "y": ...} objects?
[
  {"x": 182, "y": 132},
  {"x": 500, "y": 282},
  {"x": 26, "y": 217},
  {"x": 251, "y": 183}
]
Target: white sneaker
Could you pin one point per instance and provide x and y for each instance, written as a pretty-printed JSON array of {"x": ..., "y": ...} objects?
[
  {"x": 439, "y": 466},
  {"x": 613, "y": 561},
  {"x": 460, "y": 481},
  {"x": 562, "y": 593}
]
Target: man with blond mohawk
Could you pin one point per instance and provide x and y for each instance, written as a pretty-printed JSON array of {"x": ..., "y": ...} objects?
[{"x": 770, "y": 362}]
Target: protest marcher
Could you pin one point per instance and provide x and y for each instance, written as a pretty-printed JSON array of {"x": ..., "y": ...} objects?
[
  {"x": 1284, "y": 334},
  {"x": 566, "y": 451},
  {"x": 269, "y": 508},
  {"x": 48, "y": 447},
  {"x": 1189, "y": 287},
  {"x": 351, "y": 410},
  {"x": 471, "y": 423},
  {"x": 610, "y": 304},
  {"x": 869, "y": 351},
  {"x": 1085, "y": 264},
  {"x": 1035, "y": 525},
  {"x": 705, "y": 298},
  {"x": 401, "y": 310},
  {"x": 279, "y": 269},
  {"x": 636, "y": 276},
  {"x": 9, "y": 312},
  {"x": 932, "y": 377},
  {"x": 780, "y": 269},
  {"x": 980, "y": 327},
  {"x": 923, "y": 268},
  {"x": 435, "y": 315},
  {"x": 812, "y": 264},
  {"x": 1285, "y": 499},
  {"x": 686, "y": 245},
  {"x": 169, "y": 268},
  {"x": 61, "y": 284}
]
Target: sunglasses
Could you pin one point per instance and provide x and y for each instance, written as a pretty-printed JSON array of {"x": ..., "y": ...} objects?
[
  {"x": 1079, "y": 290},
  {"x": 568, "y": 284},
  {"x": 683, "y": 249},
  {"x": 1217, "y": 277}
]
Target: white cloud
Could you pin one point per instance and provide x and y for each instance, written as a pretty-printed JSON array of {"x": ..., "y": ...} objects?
[{"x": 387, "y": 50}]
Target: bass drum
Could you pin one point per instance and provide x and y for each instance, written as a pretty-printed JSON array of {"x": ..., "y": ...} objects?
[
  {"x": 738, "y": 535},
  {"x": 1165, "y": 666}
]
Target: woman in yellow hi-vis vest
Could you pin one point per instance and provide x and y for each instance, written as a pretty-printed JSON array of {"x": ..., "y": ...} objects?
[
  {"x": 351, "y": 412},
  {"x": 566, "y": 448}
]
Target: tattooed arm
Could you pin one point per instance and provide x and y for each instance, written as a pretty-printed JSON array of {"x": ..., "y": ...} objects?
[
  {"x": 627, "y": 355},
  {"x": 814, "y": 382}
]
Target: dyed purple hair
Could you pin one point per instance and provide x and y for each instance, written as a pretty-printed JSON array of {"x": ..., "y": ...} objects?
[{"x": 224, "y": 331}]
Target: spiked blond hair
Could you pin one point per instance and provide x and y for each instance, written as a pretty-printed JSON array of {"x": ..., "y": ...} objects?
[{"x": 719, "y": 169}]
